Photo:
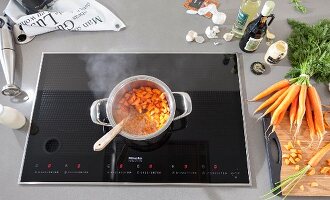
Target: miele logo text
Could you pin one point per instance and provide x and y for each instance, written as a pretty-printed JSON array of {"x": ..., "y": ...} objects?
[{"x": 134, "y": 159}]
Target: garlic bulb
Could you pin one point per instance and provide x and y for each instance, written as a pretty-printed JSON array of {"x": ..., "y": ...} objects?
[
  {"x": 191, "y": 35},
  {"x": 219, "y": 17},
  {"x": 210, "y": 33}
]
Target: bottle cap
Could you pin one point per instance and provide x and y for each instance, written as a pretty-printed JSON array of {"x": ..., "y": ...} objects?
[{"x": 268, "y": 8}]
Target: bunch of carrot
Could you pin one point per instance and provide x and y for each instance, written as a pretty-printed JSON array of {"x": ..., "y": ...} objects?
[{"x": 298, "y": 97}]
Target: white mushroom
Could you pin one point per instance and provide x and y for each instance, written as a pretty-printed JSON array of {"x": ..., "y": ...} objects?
[
  {"x": 216, "y": 29},
  {"x": 228, "y": 36},
  {"x": 199, "y": 39}
]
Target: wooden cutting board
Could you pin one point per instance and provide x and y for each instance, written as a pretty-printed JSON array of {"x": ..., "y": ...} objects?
[{"x": 323, "y": 180}]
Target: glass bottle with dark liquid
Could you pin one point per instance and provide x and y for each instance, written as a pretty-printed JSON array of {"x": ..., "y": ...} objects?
[{"x": 256, "y": 30}]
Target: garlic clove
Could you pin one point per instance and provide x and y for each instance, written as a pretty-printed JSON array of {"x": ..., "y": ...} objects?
[
  {"x": 216, "y": 29},
  {"x": 216, "y": 43},
  {"x": 191, "y": 12},
  {"x": 219, "y": 18},
  {"x": 228, "y": 36},
  {"x": 199, "y": 39},
  {"x": 203, "y": 11},
  {"x": 208, "y": 31},
  {"x": 192, "y": 33},
  {"x": 210, "y": 8},
  {"x": 189, "y": 38},
  {"x": 270, "y": 35},
  {"x": 212, "y": 35}
]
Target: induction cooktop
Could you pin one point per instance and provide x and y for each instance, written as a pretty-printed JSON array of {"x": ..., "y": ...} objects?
[{"x": 208, "y": 147}]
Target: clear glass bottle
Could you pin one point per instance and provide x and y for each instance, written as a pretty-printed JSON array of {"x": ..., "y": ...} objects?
[
  {"x": 11, "y": 117},
  {"x": 247, "y": 12},
  {"x": 256, "y": 30}
]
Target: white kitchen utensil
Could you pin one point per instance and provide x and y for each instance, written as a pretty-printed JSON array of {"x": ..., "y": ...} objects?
[{"x": 108, "y": 137}]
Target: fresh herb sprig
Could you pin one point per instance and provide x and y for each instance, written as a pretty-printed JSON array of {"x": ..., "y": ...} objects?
[
  {"x": 299, "y": 6},
  {"x": 309, "y": 50}
]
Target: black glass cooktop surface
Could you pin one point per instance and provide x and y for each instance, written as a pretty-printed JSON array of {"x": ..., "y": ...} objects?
[{"x": 206, "y": 147}]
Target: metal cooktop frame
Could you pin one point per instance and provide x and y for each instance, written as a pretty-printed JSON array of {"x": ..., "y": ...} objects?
[{"x": 243, "y": 107}]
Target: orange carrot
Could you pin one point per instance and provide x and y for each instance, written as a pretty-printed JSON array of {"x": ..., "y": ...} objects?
[
  {"x": 293, "y": 111},
  {"x": 277, "y": 86},
  {"x": 316, "y": 107},
  {"x": 301, "y": 107},
  {"x": 310, "y": 121},
  {"x": 276, "y": 103},
  {"x": 280, "y": 118},
  {"x": 326, "y": 124},
  {"x": 319, "y": 155},
  {"x": 278, "y": 121},
  {"x": 271, "y": 100},
  {"x": 293, "y": 92}
]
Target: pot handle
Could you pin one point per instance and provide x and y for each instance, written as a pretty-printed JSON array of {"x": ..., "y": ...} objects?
[
  {"x": 95, "y": 111},
  {"x": 186, "y": 103}
]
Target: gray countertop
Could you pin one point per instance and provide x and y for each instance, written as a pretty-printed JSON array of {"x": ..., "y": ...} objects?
[{"x": 152, "y": 26}]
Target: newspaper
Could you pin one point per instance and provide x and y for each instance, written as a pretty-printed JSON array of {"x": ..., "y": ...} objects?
[{"x": 78, "y": 15}]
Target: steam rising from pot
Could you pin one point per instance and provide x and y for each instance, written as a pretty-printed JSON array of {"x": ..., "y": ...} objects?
[{"x": 105, "y": 71}]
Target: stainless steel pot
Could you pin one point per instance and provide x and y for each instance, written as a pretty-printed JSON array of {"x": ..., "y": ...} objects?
[{"x": 136, "y": 82}]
